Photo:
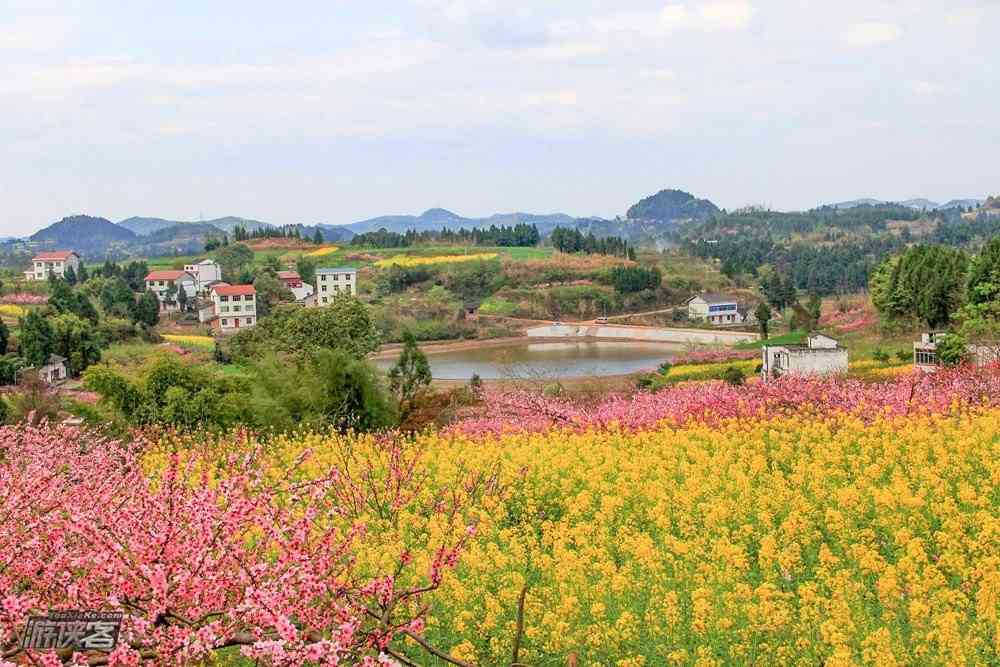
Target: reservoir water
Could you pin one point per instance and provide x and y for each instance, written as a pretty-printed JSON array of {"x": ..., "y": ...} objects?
[{"x": 549, "y": 360}]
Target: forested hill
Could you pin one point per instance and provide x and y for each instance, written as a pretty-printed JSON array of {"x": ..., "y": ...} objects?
[
  {"x": 829, "y": 249},
  {"x": 672, "y": 205},
  {"x": 84, "y": 234}
]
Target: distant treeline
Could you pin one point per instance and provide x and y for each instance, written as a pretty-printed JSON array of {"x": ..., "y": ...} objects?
[
  {"x": 520, "y": 235},
  {"x": 572, "y": 240},
  {"x": 240, "y": 233}
]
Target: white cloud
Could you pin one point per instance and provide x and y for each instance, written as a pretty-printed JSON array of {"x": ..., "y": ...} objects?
[
  {"x": 925, "y": 88},
  {"x": 726, "y": 15},
  {"x": 35, "y": 32},
  {"x": 872, "y": 34}
]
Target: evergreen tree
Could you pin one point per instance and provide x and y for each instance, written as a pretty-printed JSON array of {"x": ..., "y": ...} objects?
[
  {"x": 69, "y": 275},
  {"x": 763, "y": 315},
  {"x": 82, "y": 275},
  {"x": 146, "y": 311},
  {"x": 410, "y": 375},
  {"x": 4, "y": 338},
  {"x": 318, "y": 237},
  {"x": 36, "y": 339}
]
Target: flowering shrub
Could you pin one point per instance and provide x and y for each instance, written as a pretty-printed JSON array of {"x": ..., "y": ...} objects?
[
  {"x": 256, "y": 558},
  {"x": 406, "y": 261},
  {"x": 25, "y": 299},
  {"x": 909, "y": 393}
]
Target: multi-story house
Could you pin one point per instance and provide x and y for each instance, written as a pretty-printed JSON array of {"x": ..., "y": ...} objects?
[
  {"x": 718, "y": 309},
  {"x": 235, "y": 307},
  {"x": 54, "y": 262},
  {"x": 206, "y": 272},
  {"x": 160, "y": 282},
  {"x": 333, "y": 282}
]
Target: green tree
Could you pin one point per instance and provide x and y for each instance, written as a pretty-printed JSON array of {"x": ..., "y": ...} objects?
[
  {"x": 952, "y": 349},
  {"x": 36, "y": 341},
  {"x": 182, "y": 299},
  {"x": 146, "y": 310},
  {"x": 234, "y": 260},
  {"x": 306, "y": 269},
  {"x": 345, "y": 325},
  {"x": 270, "y": 292},
  {"x": 76, "y": 340},
  {"x": 814, "y": 308},
  {"x": 116, "y": 297},
  {"x": 318, "y": 237},
  {"x": 69, "y": 275},
  {"x": 65, "y": 299},
  {"x": 410, "y": 375},
  {"x": 763, "y": 315},
  {"x": 326, "y": 388},
  {"x": 4, "y": 338}
]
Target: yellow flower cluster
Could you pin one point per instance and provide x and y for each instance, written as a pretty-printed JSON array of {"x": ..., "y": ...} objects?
[
  {"x": 711, "y": 371},
  {"x": 323, "y": 251},
  {"x": 13, "y": 310},
  {"x": 784, "y": 541},
  {"x": 407, "y": 260},
  {"x": 200, "y": 342}
]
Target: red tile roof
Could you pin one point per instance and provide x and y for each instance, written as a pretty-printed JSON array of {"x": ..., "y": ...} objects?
[
  {"x": 53, "y": 255},
  {"x": 289, "y": 275},
  {"x": 233, "y": 290},
  {"x": 167, "y": 275}
]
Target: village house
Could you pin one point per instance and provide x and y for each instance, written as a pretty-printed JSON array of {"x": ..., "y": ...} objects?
[
  {"x": 160, "y": 282},
  {"x": 717, "y": 309},
  {"x": 234, "y": 306},
  {"x": 925, "y": 357},
  {"x": 821, "y": 355},
  {"x": 332, "y": 282},
  {"x": 206, "y": 273},
  {"x": 298, "y": 287},
  {"x": 54, "y": 262},
  {"x": 54, "y": 371}
]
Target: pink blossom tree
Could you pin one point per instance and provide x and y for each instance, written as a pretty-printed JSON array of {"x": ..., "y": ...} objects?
[{"x": 199, "y": 563}]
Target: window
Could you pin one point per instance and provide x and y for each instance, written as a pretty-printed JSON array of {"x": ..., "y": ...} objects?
[
  {"x": 336, "y": 288},
  {"x": 249, "y": 320},
  {"x": 225, "y": 322},
  {"x": 322, "y": 288},
  {"x": 324, "y": 299},
  {"x": 223, "y": 298},
  {"x": 323, "y": 277},
  {"x": 927, "y": 357}
]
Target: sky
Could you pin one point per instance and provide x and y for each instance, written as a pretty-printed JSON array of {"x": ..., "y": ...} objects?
[{"x": 332, "y": 111}]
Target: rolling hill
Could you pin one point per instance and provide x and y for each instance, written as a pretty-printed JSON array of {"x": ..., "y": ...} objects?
[
  {"x": 85, "y": 234},
  {"x": 672, "y": 205}
]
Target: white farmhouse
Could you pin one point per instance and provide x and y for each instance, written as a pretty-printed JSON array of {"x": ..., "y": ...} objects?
[
  {"x": 718, "y": 309},
  {"x": 54, "y": 262},
  {"x": 821, "y": 355},
  {"x": 235, "y": 307},
  {"x": 159, "y": 282},
  {"x": 206, "y": 272},
  {"x": 331, "y": 283},
  {"x": 925, "y": 356}
]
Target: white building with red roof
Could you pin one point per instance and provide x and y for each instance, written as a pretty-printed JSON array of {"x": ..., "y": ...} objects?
[
  {"x": 52, "y": 262},
  {"x": 298, "y": 287},
  {"x": 160, "y": 282},
  {"x": 235, "y": 307}
]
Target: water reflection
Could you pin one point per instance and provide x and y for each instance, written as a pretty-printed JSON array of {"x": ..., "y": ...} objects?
[{"x": 553, "y": 360}]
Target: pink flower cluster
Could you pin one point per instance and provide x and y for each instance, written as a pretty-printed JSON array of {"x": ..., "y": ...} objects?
[
  {"x": 714, "y": 356},
  {"x": 198, "y": 564},
  {"x": 503, "y": 412},
  {"x": 24, "y": 299},
  {"x": 854, "y": 319}
]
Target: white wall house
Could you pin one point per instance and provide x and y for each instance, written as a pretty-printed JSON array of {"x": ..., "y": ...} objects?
[
  {"x": 331, "y": 283},
  {"x": 54, "y": 371},
  {"x": 235, "y": 307},
  {"x": 205, "y": 272},
  {"x": 52, "y": 262},
  {"x": 718, "y": 309},
  {"x": 821, "y": 355},
  {"x": 925, "y": 356},
  {"x": 159, "y": 283}
]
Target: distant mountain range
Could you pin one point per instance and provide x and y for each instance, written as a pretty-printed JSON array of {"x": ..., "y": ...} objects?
[
  {"x": 647, "y": 222},
  {"x": 918, "y": 204}
]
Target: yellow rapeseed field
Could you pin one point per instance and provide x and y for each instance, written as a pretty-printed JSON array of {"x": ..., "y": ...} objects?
[
  {"x": 13, "y": 310},
  {"x": 202, "y": 342},
  {"x": 323, "y": 251},
  {"x": 405, "y": 260},
  {"x": 771, "y": 541}
]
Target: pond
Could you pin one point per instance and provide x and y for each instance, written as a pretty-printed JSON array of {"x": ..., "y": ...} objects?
[{"x": 551, "y": 360}]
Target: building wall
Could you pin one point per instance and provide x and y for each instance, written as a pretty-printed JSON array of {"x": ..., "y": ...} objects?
[
  {"x": 650, "y": 334},
  {"x": 229, "y": 310},
  {"x": 330, "y": 285},
  {"x": 56, "y": 266},
  {"x": 798, "y": 361}
]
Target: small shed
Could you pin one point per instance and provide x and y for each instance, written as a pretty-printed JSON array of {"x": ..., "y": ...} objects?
[
  {"x": 54, "y": 371},
  {"x": 821, "y": 355}
]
